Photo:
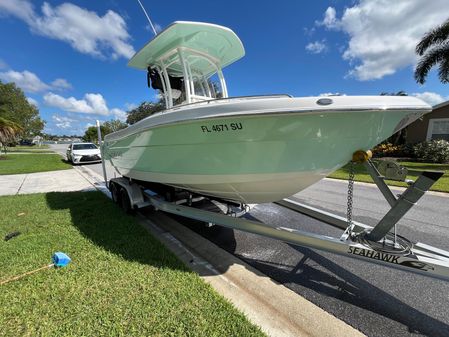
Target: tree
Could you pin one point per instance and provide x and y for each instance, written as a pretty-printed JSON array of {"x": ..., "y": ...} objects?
[
  {"x": 399, "y": 93},
  {"x": 48, "y": 136},
  {"x": 91, "y": 134},
  {"x": 114, "y": 125},
  {"x": 434, "y": 50},
  {"x": 8, "y": 132},
  {"x": 144, "y": 110},
  {"x": 15, "y": 107}
]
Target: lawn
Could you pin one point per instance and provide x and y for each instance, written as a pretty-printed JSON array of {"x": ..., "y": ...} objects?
[
  {"x": 29, "y": 163},
  {"x": 121, "y": 281},
  {"x": 441, "y": 185},
  {"x": 32, "y": 149}
]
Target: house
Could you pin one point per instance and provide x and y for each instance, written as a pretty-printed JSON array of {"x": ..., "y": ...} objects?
[
  {"x": 434, "y": 125},
  {"x": 37, "y": 140}
]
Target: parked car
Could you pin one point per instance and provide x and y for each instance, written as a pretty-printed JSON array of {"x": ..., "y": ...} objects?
[
  {"x": 26, "y": 142},
  {"x": 82, "y": 153}
]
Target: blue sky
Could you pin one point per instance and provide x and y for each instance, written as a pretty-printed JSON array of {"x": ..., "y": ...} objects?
[{"x": 70, "y": 57}]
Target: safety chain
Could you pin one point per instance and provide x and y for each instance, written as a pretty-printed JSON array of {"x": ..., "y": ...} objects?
[{"x": 350, "y": 196}]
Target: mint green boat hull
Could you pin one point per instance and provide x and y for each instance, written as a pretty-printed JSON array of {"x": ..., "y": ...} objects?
[{"x": 250, "y": 158}]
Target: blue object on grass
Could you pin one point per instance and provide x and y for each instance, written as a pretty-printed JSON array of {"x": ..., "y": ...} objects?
[{"x": 60, "y": 259}]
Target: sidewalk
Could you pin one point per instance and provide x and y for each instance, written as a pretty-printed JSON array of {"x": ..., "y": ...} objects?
[{"x": 42, "y": 182}]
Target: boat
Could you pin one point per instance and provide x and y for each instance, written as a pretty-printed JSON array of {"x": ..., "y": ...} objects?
[{"x": 249, "y": 150}]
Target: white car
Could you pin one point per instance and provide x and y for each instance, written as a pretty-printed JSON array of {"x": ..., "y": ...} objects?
[{"x": 82, "y": 153}]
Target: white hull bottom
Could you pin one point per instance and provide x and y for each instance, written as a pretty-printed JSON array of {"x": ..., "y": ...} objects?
[{"x": 246, "y": 188}]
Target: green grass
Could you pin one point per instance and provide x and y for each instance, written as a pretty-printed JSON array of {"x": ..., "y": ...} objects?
[
  {"x": 29, "y": 163},
  {"x": 30, "y": 149},
  {"x": 121, "y": 282},
  {"x": 442, "y": 185}
]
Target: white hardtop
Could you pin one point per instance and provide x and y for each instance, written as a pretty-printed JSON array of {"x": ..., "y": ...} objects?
[
  {"x": 217, "y": 43},
  {"x": 182, "y": 58}
]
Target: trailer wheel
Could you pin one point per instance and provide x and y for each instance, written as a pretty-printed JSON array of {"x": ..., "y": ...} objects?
[
  {"x": 125, "y": 203},
  {"x": 115, "y": 193}
]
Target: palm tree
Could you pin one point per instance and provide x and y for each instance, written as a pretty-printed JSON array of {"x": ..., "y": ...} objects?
[
  {"x": 8, "y": 132},
  {"x": 399, "y": 93},
  {"x": 434, "y": 49}
]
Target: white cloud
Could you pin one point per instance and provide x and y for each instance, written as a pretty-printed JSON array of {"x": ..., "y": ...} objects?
[
  {"x": 62, "y": 122},
  {"x": 32, "y": 101},
  {"x": 309, "y": 31},
  {"x": 90, "y": 104},
  {"x": 157, "y": 27},
  {"x": 23, "y": 9},
  {"x": 61, "y": 83},
  {"x": 30, "y": 82},
  {"x": 383, "y": 33},
  {"x": 130, "y": 106},
  {"x": 317, "y": 47},
  {"x": 330, "y": 19},
  {"x": 431, "y": 98},
  {"x": 26, "y": 80},
  {"x": 119, "y": 114},
  {"x": 84, "y": 30}
]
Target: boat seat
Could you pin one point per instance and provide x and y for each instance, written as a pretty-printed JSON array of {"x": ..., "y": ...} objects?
[{"x": 155, "y": 81}]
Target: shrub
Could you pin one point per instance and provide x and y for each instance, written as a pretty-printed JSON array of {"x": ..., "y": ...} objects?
[
  {"x": 435, "y": 151},
  {"x": 390, "y": 150}
]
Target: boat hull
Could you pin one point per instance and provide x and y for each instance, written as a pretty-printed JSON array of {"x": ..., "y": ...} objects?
[{"x": 251, "y": 157}]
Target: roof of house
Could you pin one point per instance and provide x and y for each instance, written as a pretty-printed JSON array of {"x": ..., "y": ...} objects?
[{"x": 440, "y": 105}]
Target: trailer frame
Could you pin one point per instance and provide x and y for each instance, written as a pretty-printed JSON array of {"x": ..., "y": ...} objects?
[{"x": 374, "y": 244}]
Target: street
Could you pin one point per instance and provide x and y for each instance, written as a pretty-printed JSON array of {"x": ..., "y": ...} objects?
[{"x": 374, "y": 299}]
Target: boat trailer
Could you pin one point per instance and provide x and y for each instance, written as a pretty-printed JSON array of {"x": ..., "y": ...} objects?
[{"x": 377, "y": 244}]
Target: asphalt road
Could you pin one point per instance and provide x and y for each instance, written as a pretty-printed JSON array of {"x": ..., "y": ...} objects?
[{"x": 378, "y": 301}]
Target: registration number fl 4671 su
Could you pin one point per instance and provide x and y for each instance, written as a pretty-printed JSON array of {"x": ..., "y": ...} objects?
[{"x": 222, "y": 127}]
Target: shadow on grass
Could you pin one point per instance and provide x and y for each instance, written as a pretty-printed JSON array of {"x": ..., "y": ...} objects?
[{"x": 98, "y": 219}]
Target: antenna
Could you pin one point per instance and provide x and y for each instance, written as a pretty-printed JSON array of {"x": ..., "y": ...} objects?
[{"x": 149, "y": 20}]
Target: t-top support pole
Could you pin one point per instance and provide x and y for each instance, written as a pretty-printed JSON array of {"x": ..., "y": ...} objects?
[{"x": 100, "y": 143}]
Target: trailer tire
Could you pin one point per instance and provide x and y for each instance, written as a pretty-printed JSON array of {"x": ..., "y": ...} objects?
[
  {"x": 125, "y": 203},
  {"x": 115, "y": 193}
]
